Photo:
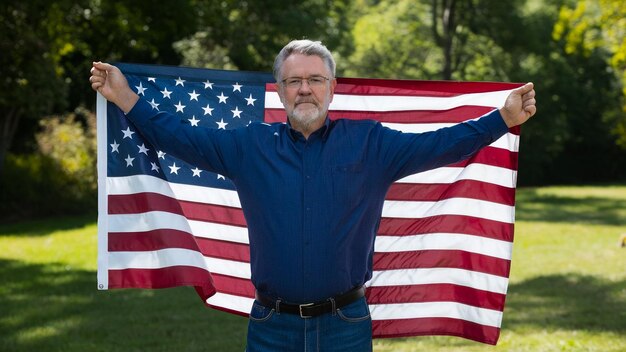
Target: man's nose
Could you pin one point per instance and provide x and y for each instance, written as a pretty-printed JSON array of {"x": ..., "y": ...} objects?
[{"x": 305, "y": 88}]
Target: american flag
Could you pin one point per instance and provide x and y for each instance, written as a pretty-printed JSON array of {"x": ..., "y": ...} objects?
[{"x": 443, "y": 249}]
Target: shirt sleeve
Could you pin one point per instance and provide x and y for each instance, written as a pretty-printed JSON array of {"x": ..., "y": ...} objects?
[
  {"x": 405, "y": 154},
  {"x": 211, "y": 149}
]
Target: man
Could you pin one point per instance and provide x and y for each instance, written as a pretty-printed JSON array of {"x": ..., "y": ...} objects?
[{"x": 312, "y": 193}]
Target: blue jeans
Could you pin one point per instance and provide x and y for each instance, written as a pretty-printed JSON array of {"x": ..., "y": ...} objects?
[{"x": 349, "y": 328}]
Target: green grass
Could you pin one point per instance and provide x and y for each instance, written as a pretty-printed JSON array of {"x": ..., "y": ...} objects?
[{"x": 567, "y": 290}]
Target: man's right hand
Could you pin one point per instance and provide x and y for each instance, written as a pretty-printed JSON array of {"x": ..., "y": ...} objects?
[{"x": 109, "y": 81}]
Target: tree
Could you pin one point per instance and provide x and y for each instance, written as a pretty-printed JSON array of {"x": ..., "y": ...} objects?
[{"x": 596, "y": 27}]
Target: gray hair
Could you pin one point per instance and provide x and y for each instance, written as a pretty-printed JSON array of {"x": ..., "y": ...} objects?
[{"x": 305, "y": 47}]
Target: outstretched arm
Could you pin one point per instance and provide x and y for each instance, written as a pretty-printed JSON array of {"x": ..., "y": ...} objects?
[
  {"x": 109, "y": 81},
  {"x": 519, "y": 105}
]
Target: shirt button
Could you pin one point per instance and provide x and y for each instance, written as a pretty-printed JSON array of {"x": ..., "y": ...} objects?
[
  {"x": 308, "y": 177},
  {"x": 308, "y": 209}
]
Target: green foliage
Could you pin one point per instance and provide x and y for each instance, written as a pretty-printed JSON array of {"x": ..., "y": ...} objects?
[{"x": 60, "y": 178}]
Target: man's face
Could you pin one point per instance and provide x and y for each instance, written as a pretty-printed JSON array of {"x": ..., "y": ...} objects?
[{"x": 306, "y": 103}]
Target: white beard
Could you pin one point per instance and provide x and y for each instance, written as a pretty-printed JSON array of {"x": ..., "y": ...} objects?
[{"x": 306, "y": 117}]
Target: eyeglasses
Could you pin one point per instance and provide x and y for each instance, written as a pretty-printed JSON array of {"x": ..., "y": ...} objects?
[{"x": 296, "y": 82}]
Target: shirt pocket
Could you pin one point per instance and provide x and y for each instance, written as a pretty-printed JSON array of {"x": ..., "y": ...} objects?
[{"x": 349, "y": 184}]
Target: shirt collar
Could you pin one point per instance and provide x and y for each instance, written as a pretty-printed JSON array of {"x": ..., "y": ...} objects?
[{"x": 322, "y": 131}]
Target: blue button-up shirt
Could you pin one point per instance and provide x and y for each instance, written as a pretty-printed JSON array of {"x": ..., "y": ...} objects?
[{"x": 313, "y": 205}]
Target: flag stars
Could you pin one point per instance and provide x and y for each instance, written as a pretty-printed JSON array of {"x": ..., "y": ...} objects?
[
  {"x": 143, "y": 149},
  {"x": 237, "y": 87},
  {"x": 221, "y": 177},
  {"x": 166, "y": 93},
  {"x": 140, "y": 89},
  {"x": 151, "y": 79},
  {"x": 129, "y": 161},
  {"x": 193, "y": 96},
  {"x": 155, "y": 167},
  {"x": 114, "y": 147},
  {"x": 208, "y": 84},
  {"x": 208, "y": 110},
  {"x": 236, "y": 112},
  {"x": 250, "y": 100},
  {"x": 155, "y": 105},
  {"x": 128, "y": 133},
  {"x": 196, "y": 172},
  {"x": 174, "y": 169},
  {"x": 161, "y": 155},
  {"x": 221, "y": 124},
  {"x": 180, "y": 82},
  {"x": 222, "y": 98},
  {"x": 193, "y": 121},
  {"x": 180, "y": 107}
]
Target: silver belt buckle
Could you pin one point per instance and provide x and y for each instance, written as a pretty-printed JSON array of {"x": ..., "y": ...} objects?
[{"x": 305, "y": 305}]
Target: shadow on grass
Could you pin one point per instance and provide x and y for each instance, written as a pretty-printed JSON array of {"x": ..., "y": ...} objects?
[
  {"x": 56, "y": 308},
  {"x": 43, "y": 227},
  {"x": 570, "y": 302},
  {"x": 532, "y": 206}
]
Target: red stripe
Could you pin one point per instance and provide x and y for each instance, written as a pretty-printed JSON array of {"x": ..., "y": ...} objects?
[
  {"x": 224, "y": 249},
  {"x": 233, "y": 285},
  {"x": 151, "y": 240},
  {"x": 456, "y": 115},
  {"x": 144, "y": 202},
  {"x": 435, "y": 293},
  {"x": 447, "y": 223},
  {"x": 491, "y": 156},
  {"x": 163, "y": 278},
  {"x": 435, "y": 326},
  {"x": 460, "y": 189},
  {"x": 442, "y": 259},
  {"x": 373, "y": 86}
]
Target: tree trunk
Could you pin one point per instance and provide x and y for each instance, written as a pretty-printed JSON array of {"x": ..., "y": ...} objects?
[{"x": 8, "y": 127}]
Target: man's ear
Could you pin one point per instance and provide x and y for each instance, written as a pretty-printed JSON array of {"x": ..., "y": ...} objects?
[
  {"x": 333, "y": 84},
  {"x": 280, "y": 92}
]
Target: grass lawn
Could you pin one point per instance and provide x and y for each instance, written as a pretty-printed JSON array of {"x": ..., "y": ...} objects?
[{"x": 567, "y": 290}]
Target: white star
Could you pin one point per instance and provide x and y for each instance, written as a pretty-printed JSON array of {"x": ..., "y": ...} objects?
[
  {"x": 193, "y": 121},
  {"x": 180, "y": 107},
  {"x": 151, "y": 79},
  {"x": 129, "y": 161},
  {"x": 237, "y": 87},
  {"x": 180, "y": 82},
  {"x": 236, "y": 112},
  {"x": 174, "y": 169},
  {"x": 193, "y": 95},
  {"x": 166, "y": 93},
  {"x": 208, "y": 110},
  {"x": 114, "y": 147},
  {"x": 220, "y": 176},
  {"x": 196, "y": 172},
  {"x": 161, "y": 155},
  {"x": 155, "y": 167},
  {"x": 140, "y": 89},
  {"x": 250, "y": 100},
  {"x": 143, "y": 149},
  {"x": 221, "y": 124},
  {"x": 222, "y": 98},
  {"x": 128, "y": 133},
  {"x": 154, "y": 104},
  {"x": 208, "y": 84}
]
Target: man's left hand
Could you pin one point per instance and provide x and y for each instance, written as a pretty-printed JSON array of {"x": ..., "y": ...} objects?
[{"x": 519, "y": 105}]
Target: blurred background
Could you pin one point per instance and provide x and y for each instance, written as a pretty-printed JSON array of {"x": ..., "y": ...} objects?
[{"x": 574, "y": 51}]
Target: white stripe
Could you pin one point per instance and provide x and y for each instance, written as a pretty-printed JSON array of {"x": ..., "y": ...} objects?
[
  {"x": 474, "y": 279},
  {"x": 146, "y": 183},
  {"x": 453, "y": 206},
  {"x": 445, "y": 241},
  {"x": 220, "y": 232},
  {"x": 103, "y": 234},
  {"x": 452, "y": 310},
  {"x": 148, "y": 221},
  {"x": 479, "y": 172},
  {"x": 164, "y": 258},
  {"x": 232, "y": 302},
  {"x": 403, "y": 103}
]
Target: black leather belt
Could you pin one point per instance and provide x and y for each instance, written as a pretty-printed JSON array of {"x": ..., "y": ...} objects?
[{"x": 309, "y": 310}]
